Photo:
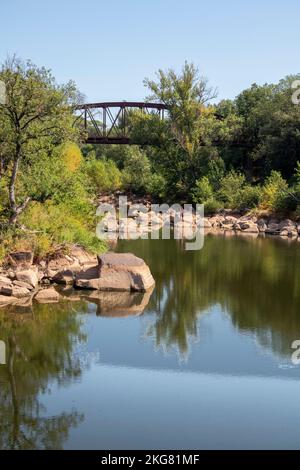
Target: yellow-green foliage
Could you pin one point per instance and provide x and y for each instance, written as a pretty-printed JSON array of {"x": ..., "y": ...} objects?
[
  {"x": 53, "y": 224},
  {"x": 275, "y": 192},
  {"x": 71, "y": 156},
  {"x": 103, "y": 175}
]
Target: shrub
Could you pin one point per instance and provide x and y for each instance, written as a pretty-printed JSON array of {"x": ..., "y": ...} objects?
[
  {"x": 156, "y": 186},
  {"x": 276, "y": 195},
  {"x": 215, "y": 171},
  {"x": 103, "y": 175},
  {"x": 71, "y": 156},
  {"x": 211, "y": 206},
  {"x": 231, "y": 186},
  {"x": 203, "y": 194},
  {"x": 249, "y": 197},
  {"x": 51, "y": 224},
  {"x": 202, "y": 191},
  {"x": 137, "y": 172}
]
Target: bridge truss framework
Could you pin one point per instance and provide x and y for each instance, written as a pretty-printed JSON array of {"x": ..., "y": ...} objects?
[{"x": 107, "y": 123}]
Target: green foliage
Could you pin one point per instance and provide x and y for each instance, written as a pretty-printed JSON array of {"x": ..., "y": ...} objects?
[
  {"x": 276, "y": 194},
  {"x": 53, "y": 224},
  {"x": 185, "y": 94},
  {"x": 231, "y": 186},
  {"x": 249, "y": 197},
  {"x": 156, "y": 186},
  {"x": 137, "y": 172},
  {"x": 103, "y": 175},
  {"x": 36, "y": 118},
  {"x": 235, "y": 193},
  {"x": 211, "y": 206},
  {"x": 202, "y": 191}
]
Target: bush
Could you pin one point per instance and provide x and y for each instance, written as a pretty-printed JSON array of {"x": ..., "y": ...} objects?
[
  {"x": 249, "y": 197},
  {"x": 156, "y": 186},
  {"x": 51, "y": 224},
  {"x": 202, "y": 191},
  {"x": 137, "y": 172},
  {"x": 215, "y": 171},
  {"x": 71, "y": 156},
  {"x": 103, "y": 175},
  {"x": 231, "y": 186},
  {"x": 211, "y": 206},
  {"x": 276, "y": 195}
]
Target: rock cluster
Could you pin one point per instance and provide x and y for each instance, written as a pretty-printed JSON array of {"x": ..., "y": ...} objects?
[
  {"x": 109, "y": 272},
  {"x": 139, "y": 221}
]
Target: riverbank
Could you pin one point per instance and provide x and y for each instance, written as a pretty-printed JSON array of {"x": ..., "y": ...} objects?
[
  {"x": 22, "y": 280},
  {"x": 143, "y": 216}
]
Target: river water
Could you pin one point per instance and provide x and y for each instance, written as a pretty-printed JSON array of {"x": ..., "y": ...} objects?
[{"x": 202, "y": 363}]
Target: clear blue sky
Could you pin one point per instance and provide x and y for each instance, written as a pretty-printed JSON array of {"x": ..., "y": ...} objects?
[{"x": 108, "y": 47}]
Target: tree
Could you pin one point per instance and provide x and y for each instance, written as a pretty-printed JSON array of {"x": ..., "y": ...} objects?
[
  {"x": 186, "y": 95},
  {"x": 37, "y": 116}
]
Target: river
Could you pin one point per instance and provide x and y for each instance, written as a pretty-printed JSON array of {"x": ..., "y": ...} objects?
[{"x": 204, "y": 363}]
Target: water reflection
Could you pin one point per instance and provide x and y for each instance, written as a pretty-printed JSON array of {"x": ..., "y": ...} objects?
[
  {"x": 257, "y": 281},
  {"x": 39, "y": 350}
]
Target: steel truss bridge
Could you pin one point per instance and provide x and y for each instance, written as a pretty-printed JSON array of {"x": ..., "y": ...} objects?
[{"x": 108, "y": 123}]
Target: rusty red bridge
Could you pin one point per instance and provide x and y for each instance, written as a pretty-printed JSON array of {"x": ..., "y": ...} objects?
[{"x": 108, "y": 122}]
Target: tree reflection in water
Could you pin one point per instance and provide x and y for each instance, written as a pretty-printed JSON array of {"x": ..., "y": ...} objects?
[
  {"x": 256, "y": 281},
  {"x": 39, "y": 350}
]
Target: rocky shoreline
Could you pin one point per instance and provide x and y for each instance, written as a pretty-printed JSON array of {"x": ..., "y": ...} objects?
[
  {"x": 140, "y": 221},
  {"x": 22, "y": 280}
]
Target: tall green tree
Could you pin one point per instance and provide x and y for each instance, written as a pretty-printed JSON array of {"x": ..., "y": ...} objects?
[{"x": 36, "y": 117}]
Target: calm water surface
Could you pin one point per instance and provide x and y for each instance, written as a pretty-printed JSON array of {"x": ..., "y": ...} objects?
[{"x": 202, "y": 363}]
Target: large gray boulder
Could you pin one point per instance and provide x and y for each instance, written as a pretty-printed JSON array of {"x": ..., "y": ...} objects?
[
  {"x": 124, "y": 271},
  {"x": 29, "y": 276},
  {"x": 46, "y": 296},
  {"x": 116, "y": 272}
]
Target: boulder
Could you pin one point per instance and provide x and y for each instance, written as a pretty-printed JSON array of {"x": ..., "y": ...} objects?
[
  {"x": 116, "y": 272},
  {"x": 128, "y": 225},
  {"x": 64, "y": 277},
  {"x": 287, "y": 223},
  {"x": 248, "y": 226},
  {"x": 29, "y": 276},
  {"x": 288, "y": 228},
  {"x": 216, "y": 221},
  {"x": 230, "y": 219},
  {"x": 273, "y": 227},
  {"x": 124, "y": 272},
  {"x": 203, "y": 222},
  {"x": 227, "y": 225},
  {"x": 262, "y": 225},
  {"x": 109, "y": 223},
  {"x": 21, "y": 258},
  {"x": 49, "y": 295},
  {"x": 23, "y": 284},
  {"x": 155, "y": 218},
  {"x": 80, "y": 254},
  {"x": 20, "y": 292},
  {"x": 6, "y": 300},
  {"x": 88, "y": 278},
  {"x": 284, "y": 233},
  {"x": 60, "y": 264},
  {"x": 143, "y": 219},
  {"x": 5, "y": 280},
  {"x": 5, "y": 289}
]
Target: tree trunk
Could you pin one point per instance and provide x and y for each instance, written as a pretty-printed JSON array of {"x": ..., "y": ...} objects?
[
  {"x": 15, "y": 209},
  {"x": 11, "y": 193}
]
